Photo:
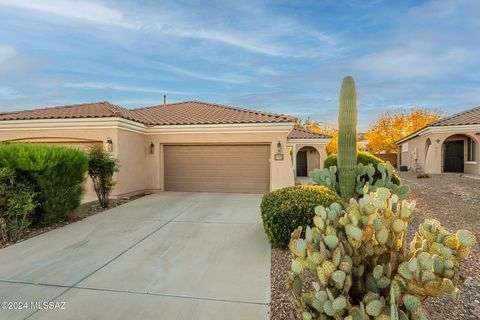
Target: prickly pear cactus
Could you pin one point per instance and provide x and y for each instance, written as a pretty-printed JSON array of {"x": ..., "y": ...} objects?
[
  {"x": 365, "y": 177},
  {"x": 326, "y": 177},
  {"x": 362, "y": 266}
]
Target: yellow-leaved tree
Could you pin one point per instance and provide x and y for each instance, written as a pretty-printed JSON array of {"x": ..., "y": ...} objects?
[
  {"x": 333, "y": 132},
  {"x": 391, "y": 127}
]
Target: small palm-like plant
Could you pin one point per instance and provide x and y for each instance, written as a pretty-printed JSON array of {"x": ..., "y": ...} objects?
[{"x": 101, "y": 168}]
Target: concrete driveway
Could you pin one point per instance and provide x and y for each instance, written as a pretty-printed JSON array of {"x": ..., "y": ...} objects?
[{"x": 166, "y": 256}]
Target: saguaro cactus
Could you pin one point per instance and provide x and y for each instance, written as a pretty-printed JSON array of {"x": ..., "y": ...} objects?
[{"x": 347, "y": 138}]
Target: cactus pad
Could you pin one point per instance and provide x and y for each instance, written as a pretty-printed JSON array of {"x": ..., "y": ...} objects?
[
  {"x": 466, "y": 238},
  {"x": 374, "y": 308}
]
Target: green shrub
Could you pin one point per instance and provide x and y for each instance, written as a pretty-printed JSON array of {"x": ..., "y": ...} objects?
[
  {"x": 17, "y": 203},
  {"x": 6, "y": 182},
  {"x": 101, "y": 168},
  {"x": 364, "y": 158},
  {"x": 20, "y": 206},
  {"x": 283, "y": 210},
  {"x": 57, "y": 174}
]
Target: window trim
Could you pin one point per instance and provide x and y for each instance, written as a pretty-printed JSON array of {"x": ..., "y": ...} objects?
[{"x": 471, "y": 151}]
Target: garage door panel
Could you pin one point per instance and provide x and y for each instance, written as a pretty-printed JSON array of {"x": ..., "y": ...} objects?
[{"x": 217, "y": 168}]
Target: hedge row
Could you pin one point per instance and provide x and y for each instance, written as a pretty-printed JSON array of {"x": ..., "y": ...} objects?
[{"x": 57, "y": 174}]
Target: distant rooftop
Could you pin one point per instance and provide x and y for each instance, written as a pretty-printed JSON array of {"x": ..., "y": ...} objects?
[
  {"x": 298, "y": 133},
  {"x": 467, "y": 117}
]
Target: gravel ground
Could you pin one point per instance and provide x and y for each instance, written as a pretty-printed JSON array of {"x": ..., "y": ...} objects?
[
  {"x": 454, "y": 201},
  {"x": 449, "y": 198},
  {"x": 85, "y": 210},
  {"x": 281, "y": 307}
]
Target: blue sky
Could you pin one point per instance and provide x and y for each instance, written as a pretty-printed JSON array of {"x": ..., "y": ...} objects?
[{"x": 278, "y": 56}]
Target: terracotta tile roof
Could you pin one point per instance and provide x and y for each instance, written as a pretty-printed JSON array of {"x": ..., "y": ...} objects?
[
  {"x": 86, "y": 110},
  {"x": 196, "y": 112},
  {"x": 470, "y": 116},
  {"x": 467, "y": 117},
  {"x": 182, "y": 113},
  {"x": 298, "y": 133}
]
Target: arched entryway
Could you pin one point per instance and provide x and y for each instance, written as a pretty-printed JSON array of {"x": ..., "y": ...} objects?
[
  {"x": 308, "y": 158},
  {"x": 458, "y": 151},
  {"x": 428, "y": 144}
]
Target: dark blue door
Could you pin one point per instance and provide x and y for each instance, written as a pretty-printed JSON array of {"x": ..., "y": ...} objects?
[
  {"x": 302, "y": 164},
  {"x": 453, "y": 156}
]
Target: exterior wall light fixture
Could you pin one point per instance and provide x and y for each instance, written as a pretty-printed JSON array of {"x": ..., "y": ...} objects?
[
  {"x": 279, "y": 155},
  {"x": 151, "y": 148},
  {"x": 109, "y": 145}
]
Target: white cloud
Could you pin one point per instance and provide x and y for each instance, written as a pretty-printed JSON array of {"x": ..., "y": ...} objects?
[
  {"x": 5, "y": 91},
  {"x": 227, "y": 78},
  {"x": 81, "y": 10},
  {"x": 261, "y": 33},
  {"x": 6, "y": 53},
  {"x": 9, "y": 93},
  {"x": 14, "y": 65},
  {"x": 447, "y": 9},
  {"x": 411, "y": 62},
  {"x": 118, "y": 87},
  {"x": 248, "y": 43}
]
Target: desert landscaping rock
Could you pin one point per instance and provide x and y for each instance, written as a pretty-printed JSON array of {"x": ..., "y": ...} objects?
[{"x": 454, "y": 201}]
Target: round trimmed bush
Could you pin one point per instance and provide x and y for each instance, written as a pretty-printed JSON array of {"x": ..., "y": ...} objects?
[
  {"x": 286, "y": 209},
  {"x": 364, "y": 158}
]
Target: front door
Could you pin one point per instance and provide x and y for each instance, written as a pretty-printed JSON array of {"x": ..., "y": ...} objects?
[
  {"x": 302, "y": 164},
  {"x": 453, "y": 156}
]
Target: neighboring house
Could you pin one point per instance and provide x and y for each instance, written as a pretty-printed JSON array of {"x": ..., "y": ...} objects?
[
  {"x": 362, "y": 142},
  {"x": 446, "y": 145},
  {"x": 308, "y": 150},
  {"x": 187, "y": 146}
]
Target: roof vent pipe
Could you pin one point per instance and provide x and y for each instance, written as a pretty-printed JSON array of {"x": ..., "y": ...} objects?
[{"x": 164, "y": 100}]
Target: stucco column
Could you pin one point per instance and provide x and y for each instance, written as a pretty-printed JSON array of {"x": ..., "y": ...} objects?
[
  {"x": 430, "y": 160},
  {"x": 322, "y": 149},
  {"x": 437, "y": 162},
  {"x": 294, "y": 156}
]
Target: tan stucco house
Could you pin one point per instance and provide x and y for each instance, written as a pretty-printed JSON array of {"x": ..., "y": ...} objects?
[
  {"x": 446, "y": 145},
  {"x": 187, "y": 146},
  {"x": 308, "y": 150}
]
